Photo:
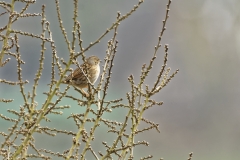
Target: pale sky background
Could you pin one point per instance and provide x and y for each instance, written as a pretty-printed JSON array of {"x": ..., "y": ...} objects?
[{"x": 201, "y": 104}]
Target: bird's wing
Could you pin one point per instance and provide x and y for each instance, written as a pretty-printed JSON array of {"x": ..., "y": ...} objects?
[{"x": 77, "y": 73}]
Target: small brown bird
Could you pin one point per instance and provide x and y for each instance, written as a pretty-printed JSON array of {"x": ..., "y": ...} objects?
[{"x": 91, "y": 72}]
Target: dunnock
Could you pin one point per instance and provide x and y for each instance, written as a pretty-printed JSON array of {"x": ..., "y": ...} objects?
[{"x": 91, "y": 72}]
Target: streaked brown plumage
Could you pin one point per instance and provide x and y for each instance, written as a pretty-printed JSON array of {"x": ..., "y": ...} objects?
[{"x": 91, "y": 69}]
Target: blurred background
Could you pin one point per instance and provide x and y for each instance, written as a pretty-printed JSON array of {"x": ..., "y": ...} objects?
[{"x": 201, "y": 104}]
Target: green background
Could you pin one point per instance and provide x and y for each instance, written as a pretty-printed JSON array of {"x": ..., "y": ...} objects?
[{"x": 201, "y": 104}]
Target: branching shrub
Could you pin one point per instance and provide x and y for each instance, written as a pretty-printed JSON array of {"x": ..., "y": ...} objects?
[{"x": 19, "y": 141}]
